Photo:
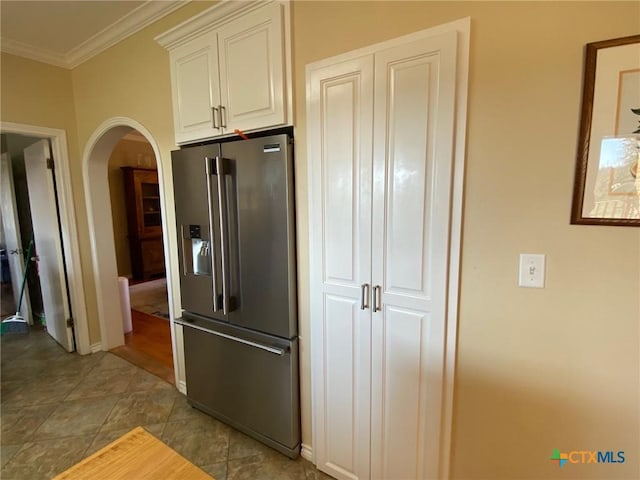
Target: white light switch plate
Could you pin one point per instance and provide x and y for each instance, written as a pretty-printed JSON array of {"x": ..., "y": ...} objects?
[{"x": 531, "y": 270}]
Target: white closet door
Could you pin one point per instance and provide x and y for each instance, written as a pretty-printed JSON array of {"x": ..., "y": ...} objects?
[
  {"x": 413, "y": 157},
  {"x": 340, "y": 100},
  {"x": 252, "y": 70}
]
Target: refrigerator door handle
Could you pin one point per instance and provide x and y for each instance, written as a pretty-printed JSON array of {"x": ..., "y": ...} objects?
[
  {"x": 224, "y": 233},
  {"x": 207, "y": 163},
  {"x": 267, "y": 348},
  {"x": 185, "y": 269}
]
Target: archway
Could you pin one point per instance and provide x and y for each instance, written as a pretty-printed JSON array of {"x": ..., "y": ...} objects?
[{"x": 95, "y": 164}]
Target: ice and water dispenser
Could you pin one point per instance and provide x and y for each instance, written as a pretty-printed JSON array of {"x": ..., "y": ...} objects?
[{"x": 197, "y": 251}]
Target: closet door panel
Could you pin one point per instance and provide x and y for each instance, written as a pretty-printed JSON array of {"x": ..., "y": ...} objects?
[
  {"x": 340, "y": 101},
  {"x": 339, "y": 176},
  {"x": 403, "y": 334},
  {"x": 413, "y": 157},
  {"x": 408, "y": 235},
  {"x": 345, "y": 334}
]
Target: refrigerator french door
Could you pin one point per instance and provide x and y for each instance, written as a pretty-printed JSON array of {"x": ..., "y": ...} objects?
[{"x": 235, "y": 222}]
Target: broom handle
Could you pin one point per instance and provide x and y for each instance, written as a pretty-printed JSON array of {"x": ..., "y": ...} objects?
[{"x": 26, "y": 270}]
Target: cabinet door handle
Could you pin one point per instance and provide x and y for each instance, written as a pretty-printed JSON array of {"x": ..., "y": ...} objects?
[
  {"x": 223, "y": 116},
  {"x": 214, "y": 111},
  {"x": 377, "y": 296},
  {"x": 364, "y": 296}
]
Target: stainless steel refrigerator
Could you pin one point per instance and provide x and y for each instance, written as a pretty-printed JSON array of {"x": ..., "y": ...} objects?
[{"x": 236, "y": 240}]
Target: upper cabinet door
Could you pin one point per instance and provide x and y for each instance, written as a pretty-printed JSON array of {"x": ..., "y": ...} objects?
[
  {"x": 251, "y": 56},
  {"x": 196, "y": 91}
]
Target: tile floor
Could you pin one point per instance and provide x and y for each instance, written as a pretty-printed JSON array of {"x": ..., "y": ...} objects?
[{"x": 57, "y": 408}]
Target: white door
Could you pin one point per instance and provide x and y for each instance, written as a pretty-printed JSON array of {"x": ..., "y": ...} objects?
[
  {"x": 46, "y": 232},
  {"x": 252, "y": 70},
  {"x": 412, "y": 169},
  {"x": 340, "y": 115},
  {"x": 196, "y": 90},
  {"x": 381, "y": 132},
  {"x": 13, "y": 238}
]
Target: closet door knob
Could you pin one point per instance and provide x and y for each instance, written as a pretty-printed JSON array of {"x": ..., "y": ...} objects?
[
  {"x": 364, "y": 296},
  {"x": 377, "y": 296}
]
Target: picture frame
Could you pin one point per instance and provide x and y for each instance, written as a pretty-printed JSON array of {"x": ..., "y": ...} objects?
[{"x": 607, "y": 177}]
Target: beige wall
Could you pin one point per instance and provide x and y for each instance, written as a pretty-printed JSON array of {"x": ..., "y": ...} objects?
[
  {"x": 130, "y": 79},
  {"x": 34, "y": 93},
  {"x": 537, "y": 369},
  {"x": 127, "y": 153}
]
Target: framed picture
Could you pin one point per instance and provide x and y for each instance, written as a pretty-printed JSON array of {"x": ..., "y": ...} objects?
[{"x": 607, "y": 182}]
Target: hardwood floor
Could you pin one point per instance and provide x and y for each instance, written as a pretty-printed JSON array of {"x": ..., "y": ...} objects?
[{"x": 148, "y": 346}]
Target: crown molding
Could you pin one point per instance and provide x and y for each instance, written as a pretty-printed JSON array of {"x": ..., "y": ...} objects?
[
  {"x": 133, "y": 22},
  {"x": 147, "y": 13},
  {"x": 25, "y": 50},
  {"x": 206, "y": 21}
]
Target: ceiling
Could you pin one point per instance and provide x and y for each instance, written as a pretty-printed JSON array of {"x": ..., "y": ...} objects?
[{"x": 67, "y": 33}]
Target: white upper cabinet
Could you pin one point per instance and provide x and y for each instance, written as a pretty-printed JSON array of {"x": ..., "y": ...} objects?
[{"x": 229, "y": 70}]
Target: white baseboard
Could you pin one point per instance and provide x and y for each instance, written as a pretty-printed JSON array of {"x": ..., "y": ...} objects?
[
  {"x": 96, "y": 347},
  {"x": 182, "y": 387},
  {"x": 306, "y": 452}
]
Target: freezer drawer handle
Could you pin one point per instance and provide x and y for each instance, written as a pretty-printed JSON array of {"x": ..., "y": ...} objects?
[
  {"x": 277, "y": 351},
  {"x": 208, "y": 171}
]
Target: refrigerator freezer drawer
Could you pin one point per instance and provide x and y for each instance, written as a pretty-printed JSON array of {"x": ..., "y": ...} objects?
[{"x": 245, "y": 380}]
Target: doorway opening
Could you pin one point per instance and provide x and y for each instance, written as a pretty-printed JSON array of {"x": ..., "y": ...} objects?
[
  {"x": 137, "y": 234},
  {"x": 127, "y": 226},
  {"x": 34, "y": 276},
  {"x": 16, "y": 232},
  {"x": 68, "y": 229}
]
